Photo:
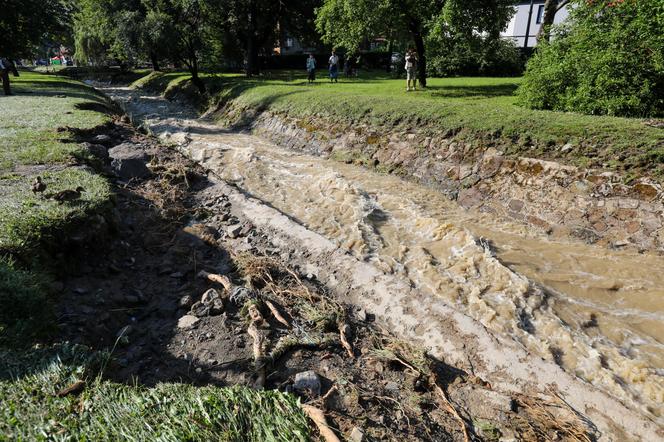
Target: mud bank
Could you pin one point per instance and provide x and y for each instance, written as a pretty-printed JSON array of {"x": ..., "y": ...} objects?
[
  {"x": 412, "y": 313},
  {"x": 564, "y": 201}
]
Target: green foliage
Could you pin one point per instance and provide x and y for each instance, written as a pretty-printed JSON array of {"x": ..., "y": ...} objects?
[
  {"x": 609, "y": 60},
  {"x": 473, "y": 56},
  {"x": 25, "y": 23},
  {"x": 31, "y": 409}
]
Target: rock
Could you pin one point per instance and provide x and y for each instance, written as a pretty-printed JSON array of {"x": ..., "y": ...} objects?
[
  {"x": 239, "y": 295},
  {"x": 234, "y": 230},
  {"x": 356, "y": 435},
  {"x": 97, "y": 150},
  {"x": 392, "y": 387},
  {"x": 567, "y": 148},
  {"x": 307, "y": 381},
  {"x": 361, "y": 314},
  {"x": 102, "y": 138},
  {"x": 199, "y": 310},
  {"x": 186, "y": 301},
  {"x": 210, "y": 296},
  {"x": 128, "y": 161},
  {"x": 187, "y": 321}
]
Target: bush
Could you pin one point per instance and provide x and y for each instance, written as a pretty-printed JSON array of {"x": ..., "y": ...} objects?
[
  {"x": 608, "y": 60},
  {"x": 461, "y": 56}
]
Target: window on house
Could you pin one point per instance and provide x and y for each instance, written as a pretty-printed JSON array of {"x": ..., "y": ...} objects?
[
  {"x": 540, "y": 14},
  {"x": 289, "y": 42}
]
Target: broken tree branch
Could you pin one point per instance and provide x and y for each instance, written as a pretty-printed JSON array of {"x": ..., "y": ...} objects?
[
  {"x": 318, "y": 417},
  {"x": 220, "y": 279},
  {"x": 276, "y": 313},
  {"x": 344, "y": 333}
]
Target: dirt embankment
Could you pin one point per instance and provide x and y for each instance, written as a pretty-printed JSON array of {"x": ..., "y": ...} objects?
[
  {"x": 591, "y": 205},
  {"x": 188, "y": 290}
]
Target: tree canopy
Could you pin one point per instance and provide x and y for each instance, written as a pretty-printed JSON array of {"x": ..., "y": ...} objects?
[
  {"x": 608, "y": 59},
  {"x": 348, "y": 23},
  {"x": 26, "y": 23}
]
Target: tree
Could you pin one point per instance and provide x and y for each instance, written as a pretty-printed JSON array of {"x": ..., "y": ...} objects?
[
  {"x": 348, "y": 23},
  {"x": 607, "y": 59},
  {"x": 551, "y": 8},
  {"x": 25, "y": 23}
]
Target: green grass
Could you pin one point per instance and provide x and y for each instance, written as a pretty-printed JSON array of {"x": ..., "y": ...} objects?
[
  {"x": 30, "y": 119},
  {"x": 29, "y": 382},
  {"x": 473, "y": 108},
  {"x": 31, "y": 373}
]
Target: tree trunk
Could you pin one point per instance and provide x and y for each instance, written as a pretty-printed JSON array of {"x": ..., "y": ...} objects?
[
  {"x": 155, "y": 62},
  {"x": 550, "y": 9},
  {"x": 252, "y": 46},
  {"x": 421, "y": 57},
  {"x": 193, "y": 69}
]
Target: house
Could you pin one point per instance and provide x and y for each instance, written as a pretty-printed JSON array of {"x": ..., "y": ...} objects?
[{"x": 529, "y": 10}]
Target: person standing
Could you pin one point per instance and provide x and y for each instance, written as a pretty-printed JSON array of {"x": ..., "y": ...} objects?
[
  {"x": 334, "y": 67},
  {"x": 311, "y": 68},
  {"x": 411, "y": 69},
  {"x": 7, "y": 66}
]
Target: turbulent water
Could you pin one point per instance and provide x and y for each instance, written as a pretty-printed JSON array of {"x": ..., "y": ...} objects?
[{"x": 597, "y": 312}]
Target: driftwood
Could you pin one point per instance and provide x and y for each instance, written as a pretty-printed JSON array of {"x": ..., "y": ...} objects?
[
  {"x": 259, "y": 344},
  {"x": 317, "y": 415},
  {"x": 219, "y": 279},
  {"x": 75, "y": 388},
  {"x": 344, "y": 333},
  {"x": 276, "y": 313}
]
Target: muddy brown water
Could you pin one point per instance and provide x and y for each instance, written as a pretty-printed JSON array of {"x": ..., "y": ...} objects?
[{"x": 597, "y": 312}]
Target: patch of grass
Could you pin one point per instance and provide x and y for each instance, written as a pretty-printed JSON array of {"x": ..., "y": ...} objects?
[
  {"x": 470, "y": 107},
  {"x": 27, "y": 220},
  {"x": 31, "y": 117},
  {"x": 31, "y": 410}
]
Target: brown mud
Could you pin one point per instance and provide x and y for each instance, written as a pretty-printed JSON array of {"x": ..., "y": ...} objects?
[{"x": 141, "y": 294}]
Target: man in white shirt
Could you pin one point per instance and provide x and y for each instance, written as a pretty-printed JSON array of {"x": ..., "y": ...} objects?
[
  {"x": 411, "y": 69},
  {"x": 334, "y": 67}
]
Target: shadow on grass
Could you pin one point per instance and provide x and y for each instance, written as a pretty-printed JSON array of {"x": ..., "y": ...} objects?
[{"x": 488, "y": 91}]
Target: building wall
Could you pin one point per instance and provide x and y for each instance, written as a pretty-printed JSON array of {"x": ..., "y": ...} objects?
[{"x": 516, "y": 29}]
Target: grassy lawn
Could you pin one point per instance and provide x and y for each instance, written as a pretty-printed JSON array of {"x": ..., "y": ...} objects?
[
  {"x": 33, "y": 370},
  {"x": 474, "y": 108}
]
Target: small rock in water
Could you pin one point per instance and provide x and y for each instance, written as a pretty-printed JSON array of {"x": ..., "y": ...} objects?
[
  {"x": 187, "y": 321},
  {"x": 307, "y": 381},
  {"x": 356, "y": 435}
]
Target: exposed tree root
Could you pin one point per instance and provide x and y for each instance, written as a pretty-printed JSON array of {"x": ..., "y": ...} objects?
[{"x": 318, "y": 417}]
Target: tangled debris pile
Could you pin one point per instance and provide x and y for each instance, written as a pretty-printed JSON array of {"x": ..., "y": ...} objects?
[{"x": 189, "y": 291}]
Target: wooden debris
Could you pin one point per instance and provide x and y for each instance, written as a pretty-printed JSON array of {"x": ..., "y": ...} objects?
[
  {"x": 220, "y": 279},
  {"x": 75, "y": 388},
  {"x": 276, "y": 313},
  {"x": 259, "y": 344},
  {"x": 317, "y": 415},
  {"x": 345, "y": 333},
  {"x": 448, "y": 405}
]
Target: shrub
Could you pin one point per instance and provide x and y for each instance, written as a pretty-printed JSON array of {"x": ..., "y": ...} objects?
[
  {"x": 462, "y": 56},
  {"x": 607, "y": 60}
]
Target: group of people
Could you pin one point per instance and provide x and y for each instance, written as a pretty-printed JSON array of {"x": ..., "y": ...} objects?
[{"x": 333, "y": 69}]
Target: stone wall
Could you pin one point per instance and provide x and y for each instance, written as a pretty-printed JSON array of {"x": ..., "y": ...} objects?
[{"x": 591, "y": 205}]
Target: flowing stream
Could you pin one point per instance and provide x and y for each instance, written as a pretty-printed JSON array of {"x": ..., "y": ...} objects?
[{"x": 596, "y": 312}]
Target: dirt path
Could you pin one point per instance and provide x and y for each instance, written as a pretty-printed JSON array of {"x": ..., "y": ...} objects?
[{"x": 409, "y": 311}]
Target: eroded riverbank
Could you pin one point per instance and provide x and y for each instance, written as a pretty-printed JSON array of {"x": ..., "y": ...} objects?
[{"x": 533, "y": 293}]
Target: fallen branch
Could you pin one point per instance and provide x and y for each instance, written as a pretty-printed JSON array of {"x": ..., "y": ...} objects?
[
  {"x": 344, "y": 332},
  {"x": 318, "y": 417},
  {"x": 220, "y": 279},
  {"x": 74, "y": 388},
  {"x": 448, "y": 405},
  {"x": 276, "y": 313},
  {"x": 259, "y": 344}
]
